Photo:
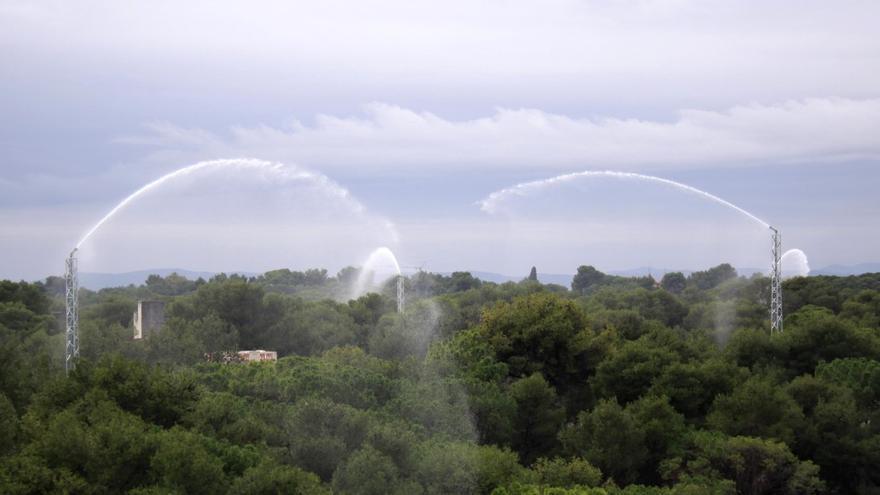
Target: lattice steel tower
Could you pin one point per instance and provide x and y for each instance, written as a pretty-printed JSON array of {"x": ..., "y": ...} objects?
[
  {"x": 401, "y": 296},
  {"x": 776, "y": 283},
  {"x": 71, "y": 352}
]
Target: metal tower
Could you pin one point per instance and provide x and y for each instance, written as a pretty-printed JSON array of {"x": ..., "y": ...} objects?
[
  {"x": 776, "y": 283},
  {"x": 401, "y": 296},
  {"x": 71, "y": 352}
]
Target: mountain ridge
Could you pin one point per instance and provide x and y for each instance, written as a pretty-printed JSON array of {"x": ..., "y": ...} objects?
[{"x": 99, "y": 280}]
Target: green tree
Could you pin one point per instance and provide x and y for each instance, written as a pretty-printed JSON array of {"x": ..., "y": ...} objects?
[
  {"x": 29, "y": 354},
  {"x": 692, "y": 386},
  {"x": 97, "y": 340},
  {"x": 268, "y": 479},
  {"x": 460, "y": 282},
  {"x": 757, "y": 466},
  {"x": 586, "y": 280},
  {"x": 369, "y": 472},
  {"x": 539, "y": 332},
  {"x": 496, "y": 467},
  {"x": 28, "y": 474},
  {"x": 630, "y": 370},
  {"x": 31, "y": 296},
  {"x": 758, "y": 407},
  {"x": 115, "y": 308},
  {"x": 398, "y": 336},
  {"x": 366, "y": 311},
  {"x": 109, "y": 448},
  {"x": 538, "y": 417},
  {"x": 9, "y": 425},
  {"x": 753, "y": 348},
  {"x": 864, "y": 309},
  {"x": 674, "y": 282},
  {"x": 835, "y": 436},
  {"x": 227, "y": 416},
  {"x": 447, "y": 467},
  {"x": 564, "y": 473},
  {"x": 861, "y": 375},
  {"x": 185, "y": 341},
  {"x": 711, "y": 278},
  {"x": 183, "y": 463},
  {"x": 609, "y": 438},
  {"x": 171, "y": 285},
  {"x": 814, "y": 334},
  {"x": 309, "y": 328},
  {"x": 236, "y": 302},
  {"x": 663, "y": 426},
  {"x": 533, "y": 274},
  {"x": 320, "y": 434},
  {"x": 155, "y": 394},
  {"x": 650, "y": 304}
]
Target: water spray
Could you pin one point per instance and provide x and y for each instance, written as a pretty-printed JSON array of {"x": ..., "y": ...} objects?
[
  {"x": 288, "y": 173},
  {"x": 795, "y": 263},
  {"x": 490, "y": 203},
  {"x": 277, "y": 171},
  {"x": 379, "y": 256}
]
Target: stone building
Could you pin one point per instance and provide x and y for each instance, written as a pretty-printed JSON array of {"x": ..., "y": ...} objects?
[{"x": 149, "y": 318}]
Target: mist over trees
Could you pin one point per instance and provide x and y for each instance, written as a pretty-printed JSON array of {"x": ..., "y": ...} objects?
[{"x": 617, "y": 386}]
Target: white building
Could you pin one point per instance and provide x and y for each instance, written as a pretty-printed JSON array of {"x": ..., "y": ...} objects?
[{"x": 257, "y": 356}]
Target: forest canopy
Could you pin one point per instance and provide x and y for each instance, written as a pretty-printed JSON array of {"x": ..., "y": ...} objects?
[{"x": 613, "y": 385}]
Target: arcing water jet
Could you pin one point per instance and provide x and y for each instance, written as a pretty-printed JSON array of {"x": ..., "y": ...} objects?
[
  {"x": 276, "y": 172},
  {"x": 492, "y": 201},
  {"x": 283, "y": 173},
  {"x": 381, "y": 257}
]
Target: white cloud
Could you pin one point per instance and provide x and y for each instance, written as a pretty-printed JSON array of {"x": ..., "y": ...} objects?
[
  {"x": 391, "y": 137},
  {"x": 700, "y": 52}
]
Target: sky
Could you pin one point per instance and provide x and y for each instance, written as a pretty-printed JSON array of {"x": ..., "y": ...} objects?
[{"x": 420, "y": 110}]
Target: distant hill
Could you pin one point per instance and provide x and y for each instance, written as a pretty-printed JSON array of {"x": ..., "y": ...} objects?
[
  {"x": 546, "y": 278},
  {"x": 658, "y": 273},
  {"x": 97, "y": 281},
  {"x": 565, "y": 278},
  {"x": 843, "y": 270}
]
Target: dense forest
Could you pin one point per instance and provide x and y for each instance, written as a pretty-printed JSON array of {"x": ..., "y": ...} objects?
[{"x": 610, "y": 386}]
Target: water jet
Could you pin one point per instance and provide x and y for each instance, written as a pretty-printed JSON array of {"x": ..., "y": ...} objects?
[{"x": 381, "y": 257}]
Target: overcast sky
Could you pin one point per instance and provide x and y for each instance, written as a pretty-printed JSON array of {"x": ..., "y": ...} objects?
[{"x": 420, "y": 110}]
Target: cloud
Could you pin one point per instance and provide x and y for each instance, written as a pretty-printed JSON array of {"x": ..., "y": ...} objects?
[
  {"x": 630, "y": 54},
  {"x": 392, "y": 137}
]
